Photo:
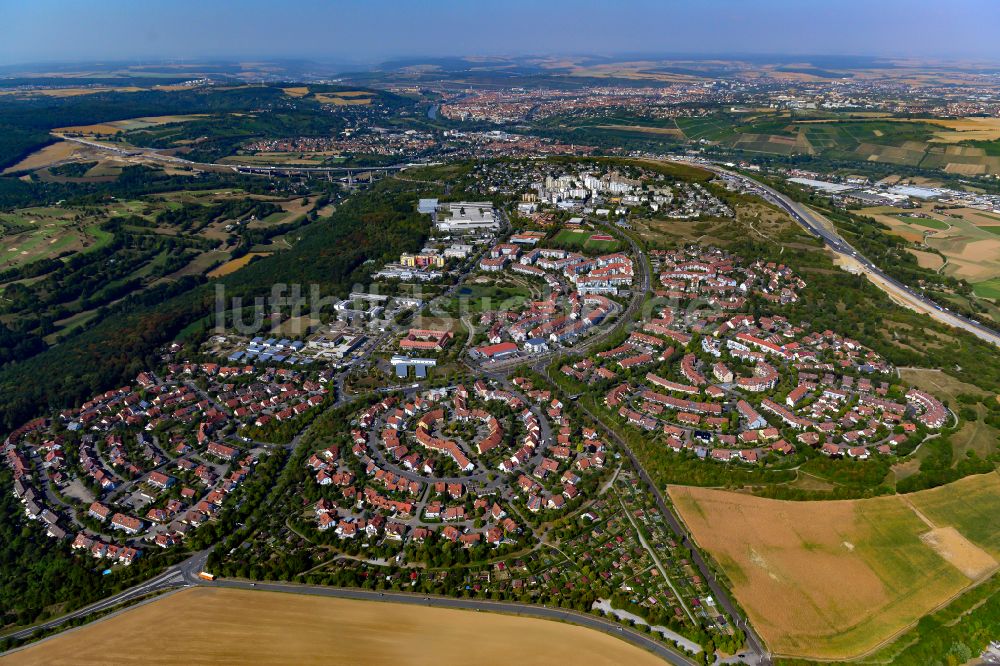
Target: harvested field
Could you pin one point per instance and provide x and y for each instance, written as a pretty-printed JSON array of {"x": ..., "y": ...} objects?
[
  {"x": 832, "y": 580},
  {"x": 966, "y": 129},
  {"x": 928, "y": 259},
  {"x": 643, "y": 129},
  {"x": 971, "y": 504},
  {"x": 344, "y": 98},
  {"x": 69, "y": 92},
  {"x": 234, "y": 265},
  {"x": 47, "y": 156},
  {"x": 964, "y": 555},
  {"x": 965, "y": 169},
  {"x": 211, "y": 626},
  {"x": 126, "y": 125}
]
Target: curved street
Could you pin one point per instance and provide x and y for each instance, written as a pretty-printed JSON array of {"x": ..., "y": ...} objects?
[{"x": 185, "y": 574}]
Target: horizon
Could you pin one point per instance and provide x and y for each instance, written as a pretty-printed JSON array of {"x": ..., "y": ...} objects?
[{"x": 68, "y": 31}]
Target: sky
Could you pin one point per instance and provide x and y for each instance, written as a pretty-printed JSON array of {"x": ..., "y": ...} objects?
[{"x": 369, "y": 31}]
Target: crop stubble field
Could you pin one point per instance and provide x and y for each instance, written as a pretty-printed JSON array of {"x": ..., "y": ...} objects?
[
  {"x": 833, "y": 580},
  {"x": 212, "y": 626},
  {"x": 963, "y": 235}
]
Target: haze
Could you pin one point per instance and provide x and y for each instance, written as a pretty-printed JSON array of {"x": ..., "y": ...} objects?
[{"x": 370, "y": 31}]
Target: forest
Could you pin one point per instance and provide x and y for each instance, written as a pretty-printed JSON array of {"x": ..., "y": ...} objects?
[
  {"x": 25, "y": 122},
  {"x": 333, "y": 253}
]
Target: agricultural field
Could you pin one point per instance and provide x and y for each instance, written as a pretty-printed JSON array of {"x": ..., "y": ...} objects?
[
  {"x": 971, "y": 504},
  {"x": 69, "y": 91},
  {"x": 234, "y": 265},
  {"x": 988, "y": 289},
  {"x": 53, "y": 153},
  {"x": 965, "y": 146},
  {"x": 348, "y": 98},
  {"x": 111, "y": 128},
  {"x": 966, "y": 129},
  {"x": 242, "y": 626},
  {"x": 644, "y": 129},
  {"x": 928, "y": 260},
  {"x": 835, "y": 579},
  {"x": 964, "y": 236}
]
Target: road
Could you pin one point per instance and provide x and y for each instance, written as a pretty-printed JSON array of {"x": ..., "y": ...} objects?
[
  {"x": 758, "y": 654},
  {"x": 185, "y": 574},
  {"x": 896, "y": 290},
  {"x": 755, "y": 653},
  {"x": 150, "y": 153},
  {"x": 543, "y": 612},
  {"x": 639, "y": 291}
]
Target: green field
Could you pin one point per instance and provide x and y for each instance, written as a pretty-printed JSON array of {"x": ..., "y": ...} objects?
[
  {"x": 971, "y": 505},
  {"x": 475, "y": 298},
  {"x": 923, "y": 222},
  {"x": 571, "y": 239},
  {"x": 992, "y": 230},
  {"x": 841, "y": 137},
  {"x": 987, "y": 289},
  {"x": 833, "y": 579}
]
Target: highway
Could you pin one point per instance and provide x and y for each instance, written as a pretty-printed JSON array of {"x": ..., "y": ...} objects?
[
  {"x": 896, "y": 290},
  {"x": 152, "y": 154}
]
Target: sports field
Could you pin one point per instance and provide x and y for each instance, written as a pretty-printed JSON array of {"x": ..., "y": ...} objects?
[
  {"x": 581, "y": 239},
  {"x": 833, "y": 580},
  {"x": 219, "y": 626}
]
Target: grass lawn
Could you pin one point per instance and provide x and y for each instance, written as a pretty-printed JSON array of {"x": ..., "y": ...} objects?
[
  {"x": 602, "y": 245},
  {"x": 923, "y": 222},
  {"x": 574, "y": 239},
  {"x": 571, "y": 238},
  {"x": 988, "y": 289}
]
